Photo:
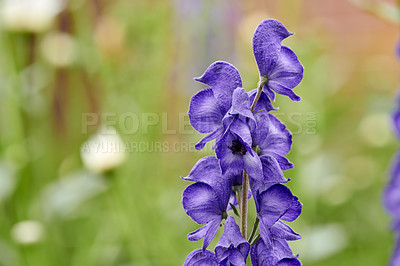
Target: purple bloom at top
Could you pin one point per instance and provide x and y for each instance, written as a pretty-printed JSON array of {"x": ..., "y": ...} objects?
[
  {"x": 232, "y": 248},
  {"x": 280, "y": 70}
]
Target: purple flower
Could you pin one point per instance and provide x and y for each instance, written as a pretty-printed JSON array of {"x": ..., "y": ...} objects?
[
  {"x": 206, "y": 201},
  {"x": 280, "y": 70},
  {"x": 279, "y": 253},
  {"x": 208, "y": 170},
  {"x": 232, "y": 248},
  {"x": 235, "y": 153},
  {"x": 209, "y": 106},
  {"x": 274, "y": 205},
  {"x": 200, "y": 257},
  {"x": 271, "y": 140}
]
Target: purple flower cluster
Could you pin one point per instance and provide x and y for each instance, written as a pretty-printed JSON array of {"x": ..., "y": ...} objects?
[
  {"x": 392, "y": 192},
  {"x": 250, "y": 146}
]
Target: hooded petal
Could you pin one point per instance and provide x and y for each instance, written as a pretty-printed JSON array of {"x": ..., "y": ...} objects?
[
  {"x": 231, "y": 238},
  {"x": 274, "y": 203},
  {"x": 236, "y": 258},
  {"x": 201, "y": 203},
  {"x": 223, "y": 78},
  {"x": 287, "y": 74},
  {"x": 242, "y": 131},
  {"x": 267, "y": 44},
  {"x": 204, "y": 114},
  {"x": 241, "y": 106},
  {"x": 200, "y": 257},
  {"x": 263, "y": 255}
]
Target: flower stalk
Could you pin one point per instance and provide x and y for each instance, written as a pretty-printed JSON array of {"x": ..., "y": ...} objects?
[{"x": 243, "y": 208}]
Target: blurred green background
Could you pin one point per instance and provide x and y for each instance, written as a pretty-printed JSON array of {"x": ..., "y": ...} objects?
[{"x": 94, "y": 134}]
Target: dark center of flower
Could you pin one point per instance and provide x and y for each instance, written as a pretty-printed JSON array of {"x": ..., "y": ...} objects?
[{"x": 237, "y": 147}]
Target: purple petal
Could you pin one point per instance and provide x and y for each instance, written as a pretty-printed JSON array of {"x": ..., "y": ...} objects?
[
  {"x": 223, "y": 78},
  {"x": 294, "y": 211},
  {"x": 208, "y": 170},
  {"x": 231, "y": 237},
  {"x": 392, "y": 200},
  {"x": 201, "y": 203},
  {"x": 241, "y": 105},
  {"x": 263, "y": 103},
  {"x": 271, "y": 135},
  {"x": 283, "y": 231},
  {"x": 272, "y": 171},
  {"x": 236, "y": 258},
  {"x": 287, "y": 73},
  {"x": 204, "y": 114},
  {"x": 199, "y": 233},
  {"x": 231, "y": 164},
  {"x": 283, "y": 162},
  {"x": 289, "y": 262},
  {"x": 282, "y": 89},
  {"x": 211, "y": 232},
  {"x": 267, "y": 44},
  {"x": 242, "y": 130},
  {"x": 201, "y": 257},
  {"x": 208, "y": 232},
  {"x": 272, "y": 175},
  {"x": 262, "y": 254},
  {"x": 214, "y": 135},
  {"x": 252, "y": 165},
  {"x": 273, "y": 203}
]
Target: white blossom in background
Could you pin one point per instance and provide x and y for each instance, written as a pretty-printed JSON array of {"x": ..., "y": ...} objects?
[
  {"x": 58, "y": 48},
  {"x": 27, "y": 232},
  {"x": 29, "y": 15},
  {"x": 103, "y": 151}
]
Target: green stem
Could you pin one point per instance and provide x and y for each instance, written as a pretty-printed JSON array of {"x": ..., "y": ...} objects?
[
  {"x": 253, "y": 232},
  {"x": 255, "y": 240},
  {"x": 243, "y": 208},
  {"x": 262, "y": 82}
]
